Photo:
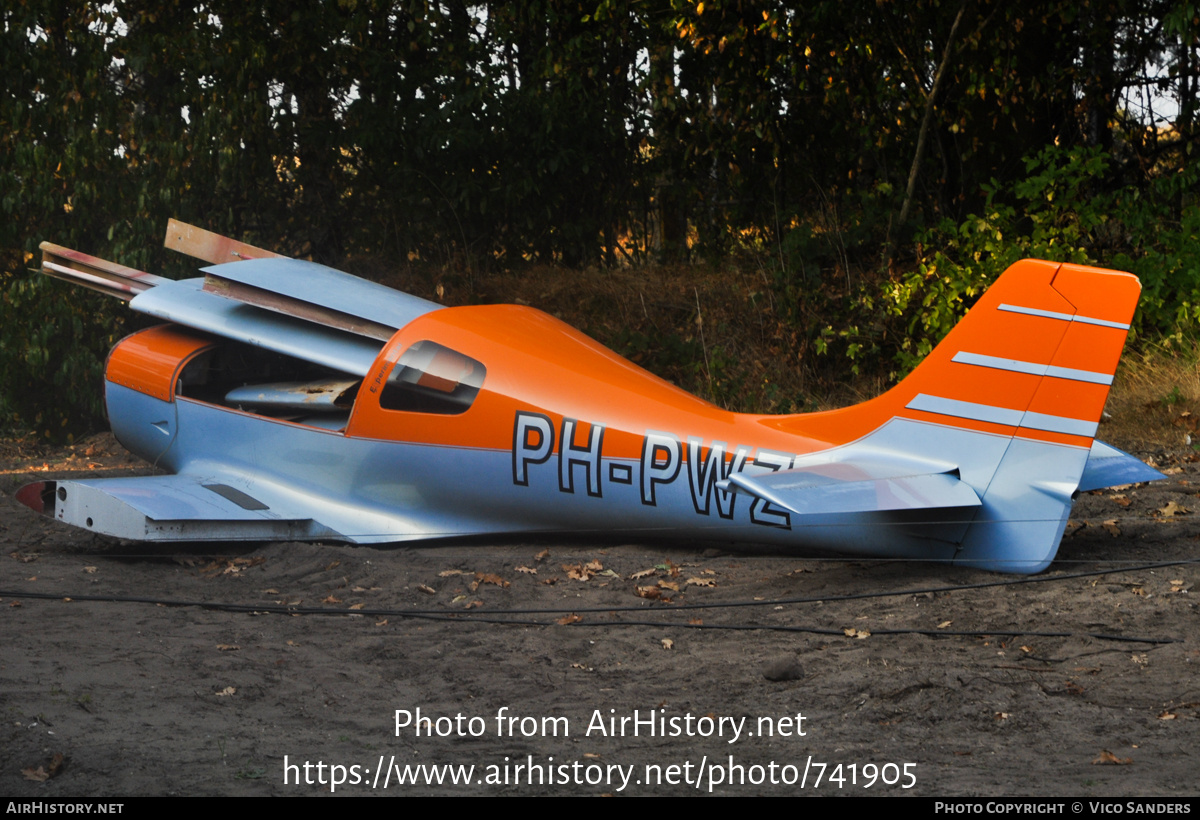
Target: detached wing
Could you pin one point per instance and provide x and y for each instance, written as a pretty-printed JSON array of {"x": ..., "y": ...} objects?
[
  {"x": 174, "y": 508},
  {"x": 859, "y": 486}
]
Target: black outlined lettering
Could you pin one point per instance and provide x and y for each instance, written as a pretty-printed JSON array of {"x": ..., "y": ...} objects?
[
  {"x": 526, "y": 428},
  {"x": 620, "y": 473},
  {"x": 661, "y": 458},
  {"x": 571, "y": 455},
  {"x": 762, "y": 511},
  {"x": 705, "y": 471}
]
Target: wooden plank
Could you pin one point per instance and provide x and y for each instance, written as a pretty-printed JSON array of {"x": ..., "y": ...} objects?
[
  {"x": 96, "y": 273},
  {"x": 208, "y": 246}
]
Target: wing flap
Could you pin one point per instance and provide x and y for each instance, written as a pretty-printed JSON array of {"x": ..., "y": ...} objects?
[
  {"x": 317, "y": 396},
  {"x": 317, "y": 294}
]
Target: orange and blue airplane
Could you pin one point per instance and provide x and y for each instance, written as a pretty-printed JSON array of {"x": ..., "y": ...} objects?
[{"x": 288, "y": 401}]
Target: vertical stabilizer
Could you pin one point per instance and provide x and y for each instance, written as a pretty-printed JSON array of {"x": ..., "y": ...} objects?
[
  {"x": 1013, "y": 396},
  {"x": 1033, "y": 361},
  {"x": 1027, "y": 502}
]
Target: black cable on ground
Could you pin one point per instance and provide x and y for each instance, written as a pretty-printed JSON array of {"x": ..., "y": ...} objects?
[{"x": 472, "y": 617}]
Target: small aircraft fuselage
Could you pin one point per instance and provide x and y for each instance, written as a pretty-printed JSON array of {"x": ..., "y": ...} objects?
[{"x": 288, "y": 401}]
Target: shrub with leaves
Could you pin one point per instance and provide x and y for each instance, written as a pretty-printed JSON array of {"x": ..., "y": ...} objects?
[
  {"x": 53, "y": 339},
  {"x": 1059, "y": 212}
]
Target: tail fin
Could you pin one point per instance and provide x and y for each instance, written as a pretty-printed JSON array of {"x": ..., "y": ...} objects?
[
  {"x": 1013, "y": 395},
  {"x": 1034, "y": 357},
  {"x": 1033, "y": 360}
]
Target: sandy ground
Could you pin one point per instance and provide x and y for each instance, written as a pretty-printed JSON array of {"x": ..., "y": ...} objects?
[{"x": 1081, "y": 681}]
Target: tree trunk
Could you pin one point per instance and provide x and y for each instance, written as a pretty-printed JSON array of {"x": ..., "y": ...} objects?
[{"x": 927, "y": 122}]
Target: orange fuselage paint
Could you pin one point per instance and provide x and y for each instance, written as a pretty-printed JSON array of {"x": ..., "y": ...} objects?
[
  {"x": 537, "y": 364},
  {"x": 150, "y": 361}
]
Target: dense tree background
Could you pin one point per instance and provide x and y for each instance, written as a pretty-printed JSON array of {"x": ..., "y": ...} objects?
[{"x": 881, "y": 160}]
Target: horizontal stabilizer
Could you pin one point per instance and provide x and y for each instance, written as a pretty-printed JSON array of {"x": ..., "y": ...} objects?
[
  {"x": 1109, "y": 467},
  {"x": 814, "y": 491},
  {"x": 170, "y": 508}
]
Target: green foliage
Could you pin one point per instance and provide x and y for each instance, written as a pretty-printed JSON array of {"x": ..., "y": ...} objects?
[
  {"x": 1058, "y": 211},
  {"x": 677, "y": 357},
  {"x": 1047, "y": 214},
  {"x": 479, "y": 136},
  {"x": 1162, "y": 247},
  {"x": 52, "y": 346}
]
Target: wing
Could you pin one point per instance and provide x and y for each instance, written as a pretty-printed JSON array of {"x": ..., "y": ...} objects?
[
  {"x": 186, "y": 302},
  {"x": 174, "y": 508}
]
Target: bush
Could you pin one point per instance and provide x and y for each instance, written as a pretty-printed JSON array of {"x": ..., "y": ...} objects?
[
  {"x": 53, "y": 340},
  {"x": 1059, "y": 212}
]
